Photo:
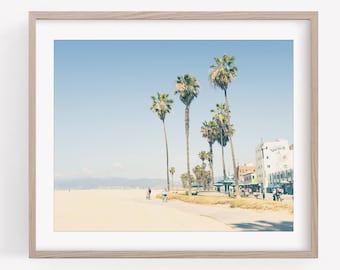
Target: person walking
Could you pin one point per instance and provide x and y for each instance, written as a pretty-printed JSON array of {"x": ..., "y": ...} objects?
[
  {"x": 148, "y": 194},
  {"x": 165, "y": 195},
  {"x": 274, "y": 194}
]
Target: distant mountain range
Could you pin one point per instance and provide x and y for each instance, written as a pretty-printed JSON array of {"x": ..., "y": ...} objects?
[{"x": 106, "y": 183}]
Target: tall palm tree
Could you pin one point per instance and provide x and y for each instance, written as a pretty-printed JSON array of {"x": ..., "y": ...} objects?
[
  {"x": 188, "y": 88},
  {"x": 222, "y": 73},
  {"x": 224, "y": 132},
  {"x": 185, "y": 180},
  {"x": 161, "y": 105},
  {"x": 205, "y": 175},
  {"x": 209, "y": 157},
  {"x": 203, "y": 156},
  {"x": 198, "y": 172},
  {"x": 172, "y": 171},
  {"x": 210, "y": 131}
]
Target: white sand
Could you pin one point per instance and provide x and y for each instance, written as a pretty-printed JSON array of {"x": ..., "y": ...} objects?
[{"x": 128, "y": 210}]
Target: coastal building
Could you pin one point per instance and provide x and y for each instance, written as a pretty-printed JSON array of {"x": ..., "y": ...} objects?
[
  {"x": 274, "y": 159},
  {"x": 250, "y": 179},
  {"x": 245, "y": 169},
  {"x": 283, "y": 179}
]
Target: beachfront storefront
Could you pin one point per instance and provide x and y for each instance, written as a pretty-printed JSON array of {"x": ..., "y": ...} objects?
[
  {"x": 282, "y": 179},
  {"x": 227, "y": 185}
]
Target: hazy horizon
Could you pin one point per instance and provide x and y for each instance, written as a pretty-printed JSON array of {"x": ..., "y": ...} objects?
[{"x": 109, "y": 183}]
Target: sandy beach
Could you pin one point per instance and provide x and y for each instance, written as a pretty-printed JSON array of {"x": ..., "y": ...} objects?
[{"x": 128, "y": 210}]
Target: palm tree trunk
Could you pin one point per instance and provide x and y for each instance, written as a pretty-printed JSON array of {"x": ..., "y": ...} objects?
[
  {"x": 167, "y": 158},
  {"x": 211, "y": 165},
  {"x": 232, "y": 146},
  {"x": 223, "y": 164},
  {"x": 172, "y": 181},
  {"x": 203, "y": 179},
  {"x": 187, "y": 142}
]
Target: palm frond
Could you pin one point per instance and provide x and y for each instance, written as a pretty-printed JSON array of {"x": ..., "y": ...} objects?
[
  {"x": 161, "y": 105},
  {"x": 187, "y": 87},
  {"x": 223, "y": 72}
]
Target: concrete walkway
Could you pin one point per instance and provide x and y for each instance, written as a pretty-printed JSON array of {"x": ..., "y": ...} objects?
[{"x": 237, "y": 219}]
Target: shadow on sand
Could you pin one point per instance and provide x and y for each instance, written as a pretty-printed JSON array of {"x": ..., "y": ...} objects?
[{"x": 262, "y": 225}]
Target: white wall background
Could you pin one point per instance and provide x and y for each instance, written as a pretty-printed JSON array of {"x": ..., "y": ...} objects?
[{"x": 14, "y": 132}]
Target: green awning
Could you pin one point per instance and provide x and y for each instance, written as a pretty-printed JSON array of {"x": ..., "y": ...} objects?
[
  {"x": 228, "y": 181},
  {"x": 218, "y": 184}
]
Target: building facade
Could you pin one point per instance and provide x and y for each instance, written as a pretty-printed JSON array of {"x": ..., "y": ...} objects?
[
  {"x": 250, "y": 179},
  {"x": 273, "y": 159},
  {"x": 243, "y": 170}
]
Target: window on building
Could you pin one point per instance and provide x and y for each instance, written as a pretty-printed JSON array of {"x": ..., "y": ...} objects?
[{"x": 268, "y": 166}]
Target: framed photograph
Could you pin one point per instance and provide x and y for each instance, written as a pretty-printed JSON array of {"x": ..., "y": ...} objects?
[{"x": 173, "y": 135}]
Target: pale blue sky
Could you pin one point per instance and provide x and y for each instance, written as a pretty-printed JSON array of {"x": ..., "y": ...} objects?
[{"x": 103, "y": 125}]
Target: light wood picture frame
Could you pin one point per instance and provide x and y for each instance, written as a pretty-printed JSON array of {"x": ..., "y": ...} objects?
[{"x": 311, "y": 135}]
